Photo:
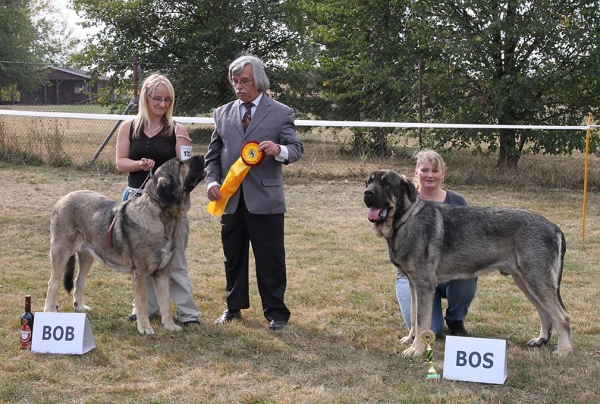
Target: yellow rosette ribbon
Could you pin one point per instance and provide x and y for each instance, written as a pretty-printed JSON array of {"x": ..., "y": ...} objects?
[{"x": 250, "y": 157}]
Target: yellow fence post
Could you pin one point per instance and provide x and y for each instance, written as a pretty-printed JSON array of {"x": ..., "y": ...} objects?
[{"x": 585, "y": 174}]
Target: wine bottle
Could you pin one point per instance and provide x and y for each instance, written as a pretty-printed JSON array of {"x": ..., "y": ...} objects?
[{"x": 26, "y": 324}]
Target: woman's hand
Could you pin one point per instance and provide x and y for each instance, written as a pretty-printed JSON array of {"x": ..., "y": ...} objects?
[{"x": 146, "y": 164}]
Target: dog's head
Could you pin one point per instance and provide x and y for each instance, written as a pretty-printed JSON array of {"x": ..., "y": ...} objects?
[
  {"x": 387, "y": 195},
  {"x": 175, "y": 179}
]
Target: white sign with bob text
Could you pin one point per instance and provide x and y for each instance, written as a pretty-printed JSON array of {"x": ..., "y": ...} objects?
[
  {"x": 479, "y": 360},
  {"x": 62, "y": 333}
]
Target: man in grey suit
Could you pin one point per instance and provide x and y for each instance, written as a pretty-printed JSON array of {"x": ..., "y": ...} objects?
[{"x": 255, "y": 212}]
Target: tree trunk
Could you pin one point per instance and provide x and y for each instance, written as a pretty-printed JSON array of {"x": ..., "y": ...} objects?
[{"x": 509, "y": 154}]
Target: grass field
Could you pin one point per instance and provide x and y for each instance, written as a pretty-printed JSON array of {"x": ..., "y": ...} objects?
[{"x": 342, "y": 343}]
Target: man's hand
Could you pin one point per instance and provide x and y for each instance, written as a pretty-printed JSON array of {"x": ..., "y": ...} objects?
[
  {"x": 214, "y": 193},
  {"x": 269, "y": 148}
]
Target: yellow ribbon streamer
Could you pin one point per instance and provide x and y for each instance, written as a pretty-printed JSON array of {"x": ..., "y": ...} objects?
[{"x": 233, "y": 180}]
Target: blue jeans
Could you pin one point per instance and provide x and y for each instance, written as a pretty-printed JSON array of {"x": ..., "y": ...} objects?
[
  {"x": 459, "y": 293},
  {"x": 126, "y": 195}
]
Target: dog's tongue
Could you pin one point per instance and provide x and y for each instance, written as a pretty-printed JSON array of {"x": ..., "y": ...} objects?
[{"x": 374, "y": 214}]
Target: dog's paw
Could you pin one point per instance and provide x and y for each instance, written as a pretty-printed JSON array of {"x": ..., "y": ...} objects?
[
  {"x": 407, "y": 340},
  {"x": 413, "y": 351},
  {"x": 537, "y": 342},
  {"x": 49, "y": 308},
  {"x": 146, "y": 330},
  {"x": 173, "y": 327},
  {"x": 561, "y": 352},
  {"x": 81, "y": 308},
  {"x": 563, "y": 349}
]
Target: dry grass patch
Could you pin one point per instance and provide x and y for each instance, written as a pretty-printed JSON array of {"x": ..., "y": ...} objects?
[{"x": 342, "y": 344}]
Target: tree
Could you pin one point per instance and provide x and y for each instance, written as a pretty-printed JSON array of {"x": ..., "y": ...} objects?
[
  {"x": 363, "y": 63},
  {"x": 192, "y": 42},
  {"x": 55, "y": 41},
  {"x": 32, "y": 36},
  {"x": 495, "y": 62},
  {"x": 511, "y": 62},
  {"x": 18, "y": 37}
]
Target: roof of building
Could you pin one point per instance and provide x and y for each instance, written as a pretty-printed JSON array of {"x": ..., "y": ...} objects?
[{"x": 77, "y": 72}]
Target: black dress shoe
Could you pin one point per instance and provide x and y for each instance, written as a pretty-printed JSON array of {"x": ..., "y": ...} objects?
[
  {"x": 276, "y": 325},
  {"x": 190, "y": 323},
  {"x": 228, "y": 316},
  {"x": 457, "y": 328}
]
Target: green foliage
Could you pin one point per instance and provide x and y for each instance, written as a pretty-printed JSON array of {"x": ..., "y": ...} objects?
[
  {"x": 191, "y": 42},
  {"x": 510, "y": 62},
  {"x": 361, "y": 52},
  {"x": 18, "y": 36},
  {"x": 33, "y": 35},
  {"x": 55, "y": 39},
  {"x": 501, "y": 62}
]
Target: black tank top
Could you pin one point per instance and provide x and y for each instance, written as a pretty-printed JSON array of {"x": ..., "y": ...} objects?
[{"x": 159, "y": 148}]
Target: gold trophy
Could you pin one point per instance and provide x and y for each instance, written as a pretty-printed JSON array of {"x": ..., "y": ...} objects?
[{"x": 428, "y": 337}]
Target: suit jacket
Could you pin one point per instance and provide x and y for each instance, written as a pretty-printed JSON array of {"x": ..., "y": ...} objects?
[{"x": 263, "y": 185}]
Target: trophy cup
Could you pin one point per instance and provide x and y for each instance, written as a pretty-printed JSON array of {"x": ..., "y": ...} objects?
[{"x": 428, "y": 337}]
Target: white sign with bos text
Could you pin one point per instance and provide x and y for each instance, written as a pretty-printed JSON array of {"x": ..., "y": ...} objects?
[
  {"x": 62, "y": 333},
  {"x": 480, "y": 360}
]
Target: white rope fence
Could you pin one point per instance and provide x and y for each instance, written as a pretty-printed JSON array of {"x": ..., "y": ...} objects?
[{"x": 302, "y": 122}]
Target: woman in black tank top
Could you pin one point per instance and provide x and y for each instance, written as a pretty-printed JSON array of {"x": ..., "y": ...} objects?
[{"x": 143, "y": 145}]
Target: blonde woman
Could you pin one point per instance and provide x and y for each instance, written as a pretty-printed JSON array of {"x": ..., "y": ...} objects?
[
  {"x": 144, "y": 144},
  {"x": 430, "y": 171}
]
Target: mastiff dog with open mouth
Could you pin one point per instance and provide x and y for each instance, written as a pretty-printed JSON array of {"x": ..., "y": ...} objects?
[
  {"x": 433, "y": 243},
  {"x": 134, "y": 237}
]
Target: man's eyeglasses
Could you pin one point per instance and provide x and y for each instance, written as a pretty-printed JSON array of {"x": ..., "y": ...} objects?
[
  {"x": 160, "y": 99},
  {"x": 243, "y": 82}
]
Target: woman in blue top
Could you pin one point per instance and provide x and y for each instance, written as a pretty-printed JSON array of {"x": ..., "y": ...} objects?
[
  {"x": 144, "y": 144},
  {"x": 429, "y": 175}
]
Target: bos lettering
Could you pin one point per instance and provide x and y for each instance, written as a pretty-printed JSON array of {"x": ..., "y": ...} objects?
[
  {"x": 58, "y": 333},
  {"x": 475, "y": 359}
]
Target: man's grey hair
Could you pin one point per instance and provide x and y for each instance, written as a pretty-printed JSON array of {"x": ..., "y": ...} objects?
[{"x": 261, "y": 81}]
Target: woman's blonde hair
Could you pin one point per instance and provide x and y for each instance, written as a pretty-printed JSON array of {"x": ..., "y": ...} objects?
[
  {"x": 142, "y": 118},
  {"x": 428, "y": 155}
]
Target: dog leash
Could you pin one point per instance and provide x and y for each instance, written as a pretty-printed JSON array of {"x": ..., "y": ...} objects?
[
  {"x": 112, "y": 223},
  {"x": 140, "y": 189},
  {"x": 109, "y": 232}
]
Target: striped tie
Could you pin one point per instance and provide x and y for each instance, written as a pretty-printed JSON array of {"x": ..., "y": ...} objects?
[{"x": 247, "y": 116}]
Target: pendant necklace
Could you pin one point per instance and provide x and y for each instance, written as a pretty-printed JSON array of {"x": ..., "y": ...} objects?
[{"x": 151, "y": 131}]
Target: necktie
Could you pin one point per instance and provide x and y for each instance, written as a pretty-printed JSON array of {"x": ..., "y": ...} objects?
[{"x": 247, "y": 115}]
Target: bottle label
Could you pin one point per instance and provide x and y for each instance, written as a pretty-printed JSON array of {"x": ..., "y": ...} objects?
[{"x": 25, "y": 335}]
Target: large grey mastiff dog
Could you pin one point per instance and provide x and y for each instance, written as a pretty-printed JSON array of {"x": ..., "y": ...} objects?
[
  {"x": 134, "y": 237},
  {"x": 433, "y": 243}
]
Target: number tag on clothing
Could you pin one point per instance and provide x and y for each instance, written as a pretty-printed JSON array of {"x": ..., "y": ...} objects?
[{"x": 186, "y": 152}]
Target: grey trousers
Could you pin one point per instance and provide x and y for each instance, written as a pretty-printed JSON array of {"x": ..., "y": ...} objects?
[{"x": 181, "y": 286}]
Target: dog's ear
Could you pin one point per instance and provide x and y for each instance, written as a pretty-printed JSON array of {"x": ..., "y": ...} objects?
[
  {"x": 369, "y": 178},
  {"x": 196, "y": 173},
  {"x": 166, "y": 189},
  {"x": 409, "y": 188}
]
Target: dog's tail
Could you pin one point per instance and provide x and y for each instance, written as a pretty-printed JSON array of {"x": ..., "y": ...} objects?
[{"x": 68, "y": 276}]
